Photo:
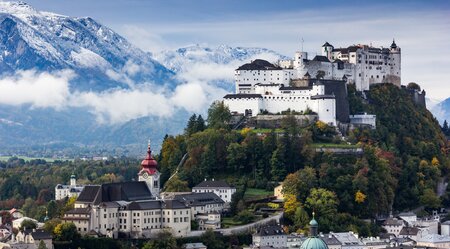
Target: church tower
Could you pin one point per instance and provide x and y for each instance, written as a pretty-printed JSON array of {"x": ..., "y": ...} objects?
[{"x": 149, "y": 173}]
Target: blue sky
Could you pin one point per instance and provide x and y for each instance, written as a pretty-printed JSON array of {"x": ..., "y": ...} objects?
[{"x": 421, "y": 28}]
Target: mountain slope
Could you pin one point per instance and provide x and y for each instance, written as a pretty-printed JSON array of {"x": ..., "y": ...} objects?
[
  {"x": 102, "y": 59},
  {"x": 442, "y": 111}
]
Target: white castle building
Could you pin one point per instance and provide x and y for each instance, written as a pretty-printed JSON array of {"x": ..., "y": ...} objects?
[
  {"x": 264, "y": 87},
  {"x": 134, "y": 209},
  {"x": 361, "y": 65},
  {"x": 71, "y": 190}
]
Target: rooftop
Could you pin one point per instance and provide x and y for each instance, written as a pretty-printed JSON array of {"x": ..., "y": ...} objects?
[
  {"x": 259, "y": 64},
  {"x": 270, "y": 231},
  {"x": 213, "y": 184}
]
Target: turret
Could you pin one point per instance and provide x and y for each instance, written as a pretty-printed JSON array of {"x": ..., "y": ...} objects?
[
  {"x": 327, "y": 48},
  {"x": 313, "y": 227}
]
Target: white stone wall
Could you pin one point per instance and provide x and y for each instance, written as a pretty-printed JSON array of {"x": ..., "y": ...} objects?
[
  {"x": 275, "y": 241},
  {"x": 224, "y": 193}
]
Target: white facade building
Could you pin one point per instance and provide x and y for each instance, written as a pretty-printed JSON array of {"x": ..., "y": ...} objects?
[
  {"x": 361, "y": 65},
  {"x": 349, "y": 240},
  {"x": 364, "y": 119},
  {"x": 270, "y": 236},
  {"x": 71, "y": 190},
  {"x": 393, "y": 226},
  {"x": 220, "y": 188},
  {"x": 276, "y": 98}
]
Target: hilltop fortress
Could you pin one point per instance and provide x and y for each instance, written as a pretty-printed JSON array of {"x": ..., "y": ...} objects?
[{"x": 315, "y": 85}]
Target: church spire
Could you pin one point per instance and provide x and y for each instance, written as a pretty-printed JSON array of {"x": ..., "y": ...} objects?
[{"x": 313, "y": 227}]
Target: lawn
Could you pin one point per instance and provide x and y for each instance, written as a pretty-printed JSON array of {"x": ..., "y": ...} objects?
[
  {"x": 254, "y": 193},
  {"x": 267, "y": 130},
  {"x": 229, "y": 222}
]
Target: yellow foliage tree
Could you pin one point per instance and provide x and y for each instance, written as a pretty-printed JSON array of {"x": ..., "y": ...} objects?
[
  {"x": 291, "y": 203},
  {"x": 435, "y": 162},
  {"x": 360, "y": 197},
  {"x": 321, "y": 125},
  {"x": 245, "y": 131}
]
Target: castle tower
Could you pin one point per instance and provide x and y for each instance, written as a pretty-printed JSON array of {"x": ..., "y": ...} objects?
[
  {"x": 327, "y": 48},
  {"x": 149, "y": 173}
]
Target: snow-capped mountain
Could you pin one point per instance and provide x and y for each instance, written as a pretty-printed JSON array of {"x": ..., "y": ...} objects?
[
  {"x": 32, "y": 39},
  {"x": 442, "y": 111},
  {"x": 183, "y": 58},
  {"x": 115, "y": 95}
]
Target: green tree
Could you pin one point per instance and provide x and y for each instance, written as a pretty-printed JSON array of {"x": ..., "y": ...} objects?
[
  {"x": 42, "y": 245},
  {"x": 429, "y": 199},
  {"x": 322, "y": 201},
  {"x": 164, "y": 239},
  {"x": 27, "y": 224},
  {"x": 175, "y": 184},
  {"x": 211, "y": 240},
  {"x": 218, "y": 115},
  {"x": 191, "y": 125},
  {"x": 51, "y": 224},
  {"x": 66, "y": 232},
  {"x": 301, "y": 218},
  {"x": 244, "y": 217},
  {"x": 52, "y": 209}
]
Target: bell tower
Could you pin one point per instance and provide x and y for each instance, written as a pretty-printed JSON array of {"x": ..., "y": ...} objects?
[{"x": 149, "y": 173}]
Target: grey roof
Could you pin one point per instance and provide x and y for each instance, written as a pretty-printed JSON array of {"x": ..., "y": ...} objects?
[
  {"x": 194, "y": 245},
  {"x": 327, "y": 45},
  {"x": 88, "y": 194},
  {"x": 199, "y": 199},
  {"x": 393, "y": 222},
  {"x": 270, "y": 231},
  {"x": 40, "y": 235},
  {"x": 174, "y": 204},
  {"x": 321, "y": 58},
  {"x": 242, "y": 96},
  {"x": 329, "y": 239},
  {"x": 213, "y": 184},
  {"x": 284, "y": 88},
  {"x": 111, "y": 192},
  {"x": 144, "y": 205},
  {"x": 409, "y": 231},
  {"x": 79, "y": 211},
  {"x": 259, "y": 64}
]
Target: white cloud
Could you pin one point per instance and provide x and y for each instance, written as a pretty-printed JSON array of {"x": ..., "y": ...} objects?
[
  {"x": 45, "y": 90},
  {"x": 36, "y": 89}
]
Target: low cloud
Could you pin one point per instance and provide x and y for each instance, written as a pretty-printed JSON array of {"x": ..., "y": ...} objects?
[
  {"x": 36, "y": 89},
  {"x": 45, "y": 90}
]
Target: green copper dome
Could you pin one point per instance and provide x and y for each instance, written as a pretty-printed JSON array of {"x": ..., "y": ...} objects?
[
  {"x": 314, "y": 243},
  {"x": 313, "y": 222}
]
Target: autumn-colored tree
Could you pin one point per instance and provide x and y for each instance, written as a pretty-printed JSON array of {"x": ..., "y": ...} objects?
[
  {"x": 175, "y": 184},
  {"x": 290, "y": 204},
  {"x": 360, "y": 197},
  {"x": 322, "y": 201}
]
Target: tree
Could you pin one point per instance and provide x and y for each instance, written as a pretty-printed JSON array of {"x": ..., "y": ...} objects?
[
  {"x": 445, "y": 128},
  {"x": 190, "y": 128},
  {"x": 42, "y": 245},
  {"x": 322, "y": 201},
  {"x": 244, "y": 217},
  {"x": 218, "y": 115},
  {"x": 51, "y": 224},
  {"x": 429, "y": 199},
  {"x": 413, "y": 85},
  {"x": 52, "y": 209},
  {"x": 66, "y": 232},
  {"x": 211, "y": 241},
  {"x": 27, "y": 225},
  {"x": 164, "y": 239},
  {"x": 360, "y": 197},
  {"x": 301, "y": 218},
  {"x": 290, "y": 204},
  {"x": 175, "y": 184}
]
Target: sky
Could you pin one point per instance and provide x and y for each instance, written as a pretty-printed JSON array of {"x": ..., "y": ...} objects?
[{"x": 420, "y": 28}]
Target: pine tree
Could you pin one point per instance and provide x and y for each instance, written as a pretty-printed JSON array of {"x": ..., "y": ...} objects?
[
  {"x": 445, "y": 128},
  {"x": 191, "y": 125},
  {"x": 200, "y": 124}
]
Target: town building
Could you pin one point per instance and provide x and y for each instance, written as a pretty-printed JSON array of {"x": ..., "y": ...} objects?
[
  {"x": 375, "y": 243},
  {"x": 410, "y": 232},
  {"x": 30, "y": 239},
  {"x": 393, "y": 226},
  {"x": 278, "y": 192},
  {"x": 272, "y": 236},
  {"x": 445, "y": 228},
  {"x": 434, "y": 240},
  {"x": 364, "y": 119},
  {"x": 17, "y": 223},
  {"x": 135, "y": 209},
  {"x": 67, "y": 191},
  {"x": 220, "y": 188},
  {"x": 130, "y": 209},
  {"x": 349, "y": 240}
]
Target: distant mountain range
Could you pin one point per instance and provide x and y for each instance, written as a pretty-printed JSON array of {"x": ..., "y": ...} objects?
[
  {"x": 442, "y": 111},
  {"x": 107, "y": 74}
]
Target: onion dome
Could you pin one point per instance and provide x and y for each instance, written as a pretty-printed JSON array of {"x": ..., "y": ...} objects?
[
  {"x": 313, "y": 242},
  {"x": 393, "y": 45},
  {"x": 149, "y": 164}
]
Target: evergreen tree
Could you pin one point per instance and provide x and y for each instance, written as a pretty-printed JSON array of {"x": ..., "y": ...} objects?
[
  {"x": 200, "y": 124},
  {"x": 218, "y": 115},
  {"x": 191, "y": 125},
  {"x": 445, "y": 128}
]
